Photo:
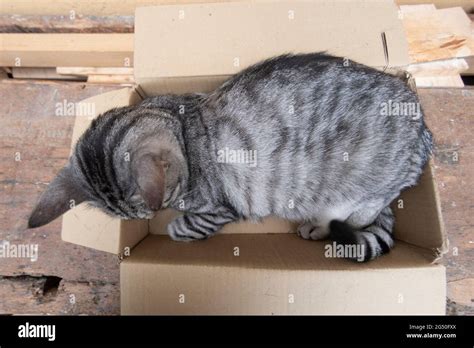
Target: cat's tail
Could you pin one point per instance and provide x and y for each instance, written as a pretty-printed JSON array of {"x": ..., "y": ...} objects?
[{"x": 367, "y": 243}]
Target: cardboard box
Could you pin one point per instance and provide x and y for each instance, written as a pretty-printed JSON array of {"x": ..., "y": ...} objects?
[{"x": 262, "y": 268}]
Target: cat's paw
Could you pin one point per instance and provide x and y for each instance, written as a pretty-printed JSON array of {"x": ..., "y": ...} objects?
[
  {"x": 182, "y": 234},
  {"x": 308, "y": 230}
]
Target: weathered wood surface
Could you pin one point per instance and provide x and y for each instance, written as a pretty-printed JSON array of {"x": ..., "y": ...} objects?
[
  {"x": 43, "y": 74},
  {"x": 436, "y": 34},
  {"x": 57, "y": 49},
  {"x": 121, "y": 7},
  {"x": 28, "y": 126},
  {"x": 69, "y": 279},
  {"x": 29, "y": 129},
  {"x": 432, "y": 35},
  {"x": 67, "y": 23},
  {"x": 450, "y": 115}
]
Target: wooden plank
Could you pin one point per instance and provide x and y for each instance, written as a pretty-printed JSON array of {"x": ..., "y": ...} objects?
[
  {"x": 439, "y": 81},
  {"x": 30, "y": 128},
  {"x": 43, "y": 74},
  {"x": 437, "y": 34},
  {"x": 436, "y": 37},
  {"x": 93, "y": 71},
  {"x": 26, "y": 295},
  {"x": 449, "y": 115},
  {"x": 438, "y": 68},
  {"x": 65, "y": 24},
  {"x": 111, "y": 79},
  {"x": 83, "y": 7},
  {"x": 442, "y": 73},
  {"x": 432, "y": 35},
  {"x": 120, "y": 7},
  {"x": 467, "y": 5},
  {"x": 52, "y": 50}
]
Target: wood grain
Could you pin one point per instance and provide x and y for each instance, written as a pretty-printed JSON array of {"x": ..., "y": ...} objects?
[
  {"x": 53, "y": 50},
  {"x": 121, "y": 7},
  {"x": 437, "y": 34},
  {"x": 449, "y": 115},
  {"x": 83, "y": 7},
  {"x": 65, "y": 24},
  {"x": 28, "y": 126},
  {"x": 43, "y": 74},
  {"x": 29, "y": 129}
]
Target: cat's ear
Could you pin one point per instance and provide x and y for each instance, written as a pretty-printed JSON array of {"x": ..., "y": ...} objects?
[
  {"x": 149, "y": 172},
  {"x": 60, "y": 196}
]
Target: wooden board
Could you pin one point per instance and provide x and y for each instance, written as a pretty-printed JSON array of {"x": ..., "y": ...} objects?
[
  {"x": 432, "y": 34},
  {"x": 43, "y": 74},
  {"x": 83, "y": 7},
  {"x": 121, "y": 7},
  {"x": 65, "y": 24},
  {"x": 439, "y": 81},
  {"x": 127, "y": 80},
  {"x": 437, "y": 34},
  {"x": 441, "y": 73},
  {"x": 448, "y": 67},
  {"x": 467, "y": 5},
  {"x": 52, "y": 50},
  {"x": 29, "y": 128},
  {"x": 93, "y": 71},
  {"x": 449, "y": 116},
  {"x": 436, "y": 39}
]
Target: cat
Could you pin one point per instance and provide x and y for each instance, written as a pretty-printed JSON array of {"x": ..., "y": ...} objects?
[{"x": 331, "y": 150}]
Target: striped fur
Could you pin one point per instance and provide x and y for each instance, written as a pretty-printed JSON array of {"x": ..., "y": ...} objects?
[{"x": 325, "y": 152}]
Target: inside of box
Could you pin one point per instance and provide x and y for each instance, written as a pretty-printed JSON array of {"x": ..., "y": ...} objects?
[
  {"x": 417, "y": 211},
  {"x": 281, "y": 251},
  {"x": 268, "y": 251},
  {"x": 418, "y": 218}
]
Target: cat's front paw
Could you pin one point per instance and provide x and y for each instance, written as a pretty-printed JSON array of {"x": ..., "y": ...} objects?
[
  {"x": 308, "y": 230},
  {"x": 178, "y": 231}
]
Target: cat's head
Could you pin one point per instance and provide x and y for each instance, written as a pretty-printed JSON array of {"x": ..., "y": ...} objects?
[{"x": 129, "y": 163}]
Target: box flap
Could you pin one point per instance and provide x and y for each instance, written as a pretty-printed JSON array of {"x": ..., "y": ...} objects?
[
  {"x": 223, "y": 38},
  {"x": 91, "y": 227},
  {"x": 275, "y": 274}
]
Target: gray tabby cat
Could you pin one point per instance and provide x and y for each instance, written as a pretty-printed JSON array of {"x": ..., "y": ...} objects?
[{"x": 330, "y": 151}]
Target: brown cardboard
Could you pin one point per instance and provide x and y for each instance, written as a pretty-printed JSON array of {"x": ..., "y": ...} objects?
[
  {"x": 92, "y": 228},
  {"x": 272, "y": 271},
  {"x": 158, "y": 224},
  {"x": 220, "y": 39},
  {"x": 273, "y": 263},
  {"x": 418, "y": 218},
  {"x": 417, "y": 211}
]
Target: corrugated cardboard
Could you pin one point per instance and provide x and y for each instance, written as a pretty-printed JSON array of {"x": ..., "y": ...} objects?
[
  {"x": 269, "y": 225},
  {"x": 176, "y": 41},
  {"x": 275, "y": 272},
  {"x": 417, "y": 211},
  {"x": 418, "y": 215}
]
